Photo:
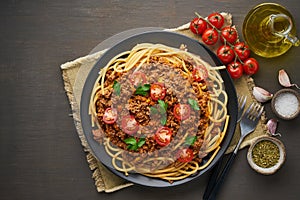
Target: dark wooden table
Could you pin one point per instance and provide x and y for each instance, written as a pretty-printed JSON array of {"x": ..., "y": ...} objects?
[{"x": 41, "y": 155}]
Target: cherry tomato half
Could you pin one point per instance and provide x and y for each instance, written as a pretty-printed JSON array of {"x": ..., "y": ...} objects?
[
  {"x": 129, "y": 125},
  {"x": 225, "y": 53},
  {"x": 138, "y": 78},
  {"x": 110, "y": 115},
  {"x": 242, "y": 50},
  {"x": 157, "y": 91},
  {"x": 200, "y": 73},
  {"x": 182, "y": 111},
  {"x": 163, "y": 136},
  {"x": 198, "y": 26},
  {"x": 229, "y": 34},
  {"x": 216, "y": 19},
  {"x": 250, "y": 66},
  {"x": 210, "y": 36},
  {"x": 185, "y": 155},
  {"x": 235, "y": 69}
]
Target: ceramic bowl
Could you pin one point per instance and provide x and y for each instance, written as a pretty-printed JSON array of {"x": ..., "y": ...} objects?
[
  {"x": 270, "y": 170},
  {"x": 286, "y": 109}
]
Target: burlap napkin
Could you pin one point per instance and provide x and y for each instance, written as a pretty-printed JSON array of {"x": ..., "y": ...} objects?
[{"x": 74, "y": 75}]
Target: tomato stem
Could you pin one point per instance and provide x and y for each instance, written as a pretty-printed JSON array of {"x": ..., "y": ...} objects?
[
  {"x": 208, "y": 22},
  {"x": 225, "y": 41}
]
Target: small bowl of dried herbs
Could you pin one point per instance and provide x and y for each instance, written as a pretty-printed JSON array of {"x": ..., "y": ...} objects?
[{"x": 266, "y": 155}]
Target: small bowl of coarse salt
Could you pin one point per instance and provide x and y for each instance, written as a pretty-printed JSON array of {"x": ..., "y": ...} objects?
[{"x": 286, "y": 104}]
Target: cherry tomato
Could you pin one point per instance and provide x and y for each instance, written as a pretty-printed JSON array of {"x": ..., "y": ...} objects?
[
  {"x": 216, "y": 19},
  {"x": 235, "y": 69},
  {"x": 157, "y": 91},
  {"x": 198, "y": 26},
  {"x": 242, "y": 50},
  {"x": 182, "y": 111},
  {"x": 200, "y": 73},
  {"x": 225, "y": 53},
  {"x": 250, "y": 66},
  {"x": 129, "y": 125},
  {"x": 163, "y": 136},
  {"x": 110, "y": 115},
  {"x": 138, "y": 78},
  {"x": 210, "y": 36},
  {"x": 229, "y": 34},
  {"x": 185, "y": 155}
]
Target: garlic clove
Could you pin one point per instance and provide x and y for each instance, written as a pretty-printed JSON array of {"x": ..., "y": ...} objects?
[
  {"x": 261, "y": 95},
  {"x": 272, "y": 127},
  {"x": 284, "y": 79}
]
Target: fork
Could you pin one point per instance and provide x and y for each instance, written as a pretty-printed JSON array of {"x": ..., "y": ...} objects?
[
  {"x": 241, "y": 106},
  {"x": 212, "y": 179},
  {"x": 248, "y": 123}
]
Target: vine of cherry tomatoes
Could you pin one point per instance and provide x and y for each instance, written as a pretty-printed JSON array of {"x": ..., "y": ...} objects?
[{"x": 233, "y": 53}]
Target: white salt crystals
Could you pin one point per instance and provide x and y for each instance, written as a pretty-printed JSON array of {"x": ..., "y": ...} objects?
[{"x": 286, "y": 104}]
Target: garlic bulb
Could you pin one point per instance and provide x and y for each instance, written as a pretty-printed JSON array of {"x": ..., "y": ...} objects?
[
  {"x": 284, "y": 79},
  {"x": 261, "y": 95}
]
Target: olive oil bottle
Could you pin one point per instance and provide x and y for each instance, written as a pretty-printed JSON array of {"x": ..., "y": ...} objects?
[{"x": 269, "y": 30}]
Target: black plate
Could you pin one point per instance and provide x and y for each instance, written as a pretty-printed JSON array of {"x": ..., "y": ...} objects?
[{"x": 170, "y": 39}]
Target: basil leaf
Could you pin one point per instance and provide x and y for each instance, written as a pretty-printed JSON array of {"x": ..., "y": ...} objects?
[
  {"x": 143, "y": 93},
  {"x": 133, "y": 144},
  {"x": 130, "y": 141},
  {"x": 142, "y": 89},
  {"x": 190, "y": 140},
  {"x": 153, "y": 110},
  {"x": 117, "y": 87},
  {"x": 194, "y": 104},
  {"x": 163, "y": 106},
  {"x": 141, "y": 142},
  {"x": 132, "y": 147},
  {"x": 163, "y": 119}
]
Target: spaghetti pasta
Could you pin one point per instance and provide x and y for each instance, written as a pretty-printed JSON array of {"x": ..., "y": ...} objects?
[{"x": 152, "y": 86}]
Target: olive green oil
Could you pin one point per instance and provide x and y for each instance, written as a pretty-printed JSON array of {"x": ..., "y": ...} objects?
[
  {"x": 265, "y": 37},
  {"x": 281, "y": 25}
]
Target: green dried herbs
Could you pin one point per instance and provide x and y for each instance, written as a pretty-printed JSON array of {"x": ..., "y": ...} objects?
[{"x": 265, "y": 154}]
